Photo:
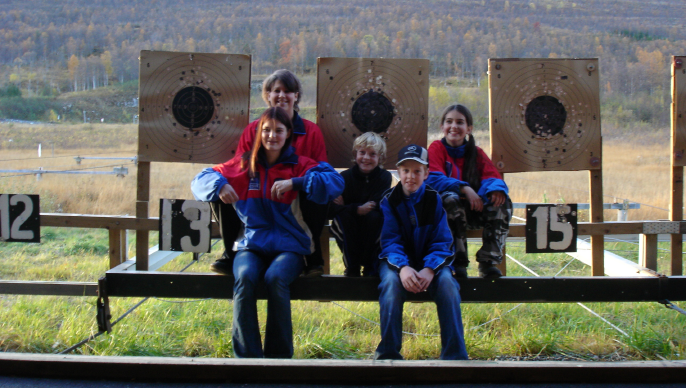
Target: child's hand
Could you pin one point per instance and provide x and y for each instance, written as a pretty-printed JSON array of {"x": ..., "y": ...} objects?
[
  {"x": 339, "y": 201},
  {"x": 279, "y": 188},
  {"x": 366, "y": 208},
  {"x": 497, "y": 198},
  {"x": 410, "y": 279},
  {"x": 227, "y": 194},
  {"x": 475, "y": 202},
  {"x": 426, "y": 275}
]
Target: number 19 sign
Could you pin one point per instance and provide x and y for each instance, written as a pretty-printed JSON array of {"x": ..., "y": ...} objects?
[
  {"x": 19, "y": 218},
  {"x": 551, "y": 228}
]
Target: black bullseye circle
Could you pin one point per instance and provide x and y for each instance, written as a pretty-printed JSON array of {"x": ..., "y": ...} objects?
[
  {"x": 193, "y": 107},
  {"x": 545, "y": 116},
  {"x": 372, "y": 112}
]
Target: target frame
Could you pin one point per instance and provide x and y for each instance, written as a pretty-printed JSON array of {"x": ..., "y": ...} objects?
[
  {"x": 178, "y": 92},
  {"x": 679, "y": 110},
  {"x": 573, "y": 84},
  {"x": 341, "y": 82}
]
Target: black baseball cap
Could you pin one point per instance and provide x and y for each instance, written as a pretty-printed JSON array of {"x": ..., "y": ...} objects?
[{"x": 413, "y": 152}]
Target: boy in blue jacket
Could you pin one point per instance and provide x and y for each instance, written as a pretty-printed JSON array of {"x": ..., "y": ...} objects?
[{"x": 415, "y": 257}]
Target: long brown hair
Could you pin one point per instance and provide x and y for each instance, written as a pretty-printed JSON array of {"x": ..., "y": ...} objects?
[
  {"x": 470, "y": 172},
  {"x": 275, "y": 114}
]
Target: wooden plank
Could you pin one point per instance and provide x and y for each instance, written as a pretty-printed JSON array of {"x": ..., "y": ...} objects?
[
  {"x": 647, "y": 251},
  {"x": 115, "y": 247},
  {"x": 99, "y": 221},
  {"x": 354, "y": 372},
  {"x": 142, "y": 198},
  {"x": 676, "y": 214},
  {"x": 596, "y": 215},
  {"x": 48, "y": 288},
  {"x": 327, "y": 288},
  {"x": 614, "y": 265}
]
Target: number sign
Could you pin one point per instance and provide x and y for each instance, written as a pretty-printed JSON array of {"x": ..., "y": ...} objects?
[
  {"x": 19, "y": 218},
  {"x": 184, "y": 225},
  {"x": 551, "y": 228}
]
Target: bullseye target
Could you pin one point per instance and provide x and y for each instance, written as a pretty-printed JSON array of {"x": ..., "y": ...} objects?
[
  {"x": 679, "y": 110},
  {"x": 545, "y": 114},
  {"x": 386, "y": 96},
  {"x": 193, "y": 107}
]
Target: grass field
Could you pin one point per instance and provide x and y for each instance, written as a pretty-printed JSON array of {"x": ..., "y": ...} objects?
[{"x": 633, "y": 169}]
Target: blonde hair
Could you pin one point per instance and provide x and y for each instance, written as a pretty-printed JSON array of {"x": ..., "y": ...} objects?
[{"x": 371, "y": 140}]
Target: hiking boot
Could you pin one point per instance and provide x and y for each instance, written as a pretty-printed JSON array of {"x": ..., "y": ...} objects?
[
  {"x": 223, "y": 265},
  {"x": 488, "y": 270},
  {"x": 351, "y": 273},
  {"x": 461, "y": 272},
  {"x": 314, "y": 271}
]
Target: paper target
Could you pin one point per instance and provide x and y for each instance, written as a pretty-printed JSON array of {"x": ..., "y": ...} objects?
[
  {"x": 358, "y": 95},
  {"x": 679, "y": 110},
  {"x": 544, "y": 114},
  {"x": 193, "y": 107}
]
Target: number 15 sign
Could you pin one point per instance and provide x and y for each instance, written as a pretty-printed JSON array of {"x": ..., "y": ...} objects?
[{"x": 551, "y": 228}]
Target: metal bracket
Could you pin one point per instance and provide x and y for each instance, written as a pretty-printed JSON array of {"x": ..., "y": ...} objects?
[
  {"x": 103, "y": 307},
  {"x": 662, "y": 227}
]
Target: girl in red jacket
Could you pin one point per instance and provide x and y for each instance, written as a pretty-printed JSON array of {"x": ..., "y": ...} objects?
[{"x": 473, "y": 192}]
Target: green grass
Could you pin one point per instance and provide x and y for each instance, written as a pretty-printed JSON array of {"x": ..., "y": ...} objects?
[{"x": 341, "y": 330}]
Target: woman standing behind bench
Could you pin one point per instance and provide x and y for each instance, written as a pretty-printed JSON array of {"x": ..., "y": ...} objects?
[
  {"x": 263, "y": 186},
  {"x": 281, "y": 89},
  {"x": 473, "y": 192}
]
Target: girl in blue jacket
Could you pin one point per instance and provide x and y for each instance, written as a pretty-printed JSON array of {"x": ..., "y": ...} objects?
[{"x": 263, "y": 186}]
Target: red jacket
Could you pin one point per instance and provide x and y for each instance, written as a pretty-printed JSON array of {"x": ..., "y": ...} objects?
[{"x": 307, "y": 139}]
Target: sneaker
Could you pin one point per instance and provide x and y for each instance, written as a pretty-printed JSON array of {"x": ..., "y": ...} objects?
[
  {"x": 224, "y": 265},
  {"x": 312, "y": 272},
  {"x": 488, "y": 270},
  {"x": 351, "y": 273},
  {"x": 461, "y": 272}
]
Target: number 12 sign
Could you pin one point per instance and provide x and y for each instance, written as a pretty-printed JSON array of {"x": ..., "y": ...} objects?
[
  {"x": 551, "y": 228},
  {"x": 19, "y": 218}
]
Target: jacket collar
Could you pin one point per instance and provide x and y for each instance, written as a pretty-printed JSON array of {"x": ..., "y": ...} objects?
[
  {"x": 357, "y": 174},
  {"x": 397, "y": 196},
  {"x": 454, "y": 152},
  {"x": 298, "y": 124},
  {"x": 287, "y": 157}
]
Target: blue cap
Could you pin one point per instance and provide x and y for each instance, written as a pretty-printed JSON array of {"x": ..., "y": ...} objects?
[{"x": 413, "y": 152}]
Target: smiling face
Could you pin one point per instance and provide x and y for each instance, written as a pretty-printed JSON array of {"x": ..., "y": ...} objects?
[
  {"x": 412, "y": 175},
  {"x": 274, "y": 135},
  {"x": 455, "y": 128},
  {"x": 366, "y": 159},
  {"x": 280, "y": 96}
]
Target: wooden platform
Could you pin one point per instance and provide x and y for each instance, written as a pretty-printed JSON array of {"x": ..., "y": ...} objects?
[{"x": 357, "y": 372}]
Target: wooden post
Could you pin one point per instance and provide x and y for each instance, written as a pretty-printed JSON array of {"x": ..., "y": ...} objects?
[
  {"x": 324, "y": 240},
  {"x": 503, "y": 265},
  {"x": 676, "y": 203},
  {"x": 596, "y": 215},
  {"x": 647, "y": 252},
  {"x": 118, "y": 247},
  {"x": 142, "y": 206}
]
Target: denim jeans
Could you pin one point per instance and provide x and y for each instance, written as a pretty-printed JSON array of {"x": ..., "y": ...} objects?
[
  {"x": 444, "y": 290},
  {"x": 278, "y": 273}
]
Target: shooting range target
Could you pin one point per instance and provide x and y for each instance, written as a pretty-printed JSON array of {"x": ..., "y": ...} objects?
[
  {"x": 358, "y": 95},
  {"x": 544, "y": 114},
  {"x": 679, "y": 110},
  {"x": 193, "y": 107}
]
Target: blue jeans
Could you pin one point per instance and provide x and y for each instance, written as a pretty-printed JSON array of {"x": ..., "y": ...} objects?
[
  {"x": 278, "y": 273},
  {"x": 444, "y": 290}
]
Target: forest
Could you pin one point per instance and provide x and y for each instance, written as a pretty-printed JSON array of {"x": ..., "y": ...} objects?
[{"x": 48, "y": 49}]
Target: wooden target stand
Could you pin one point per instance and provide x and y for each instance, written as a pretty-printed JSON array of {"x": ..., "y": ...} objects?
[
  {"x": 678, "y": 161},
  {"x": 545, "y": 116},
  {"x": 193, "y": 108}
]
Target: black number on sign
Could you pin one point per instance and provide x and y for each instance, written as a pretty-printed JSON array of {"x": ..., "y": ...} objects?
[
  {"x": 19, "y": 218},
  {"x": 184, "y": 225},
  {"x": 551, "y": 228}
]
